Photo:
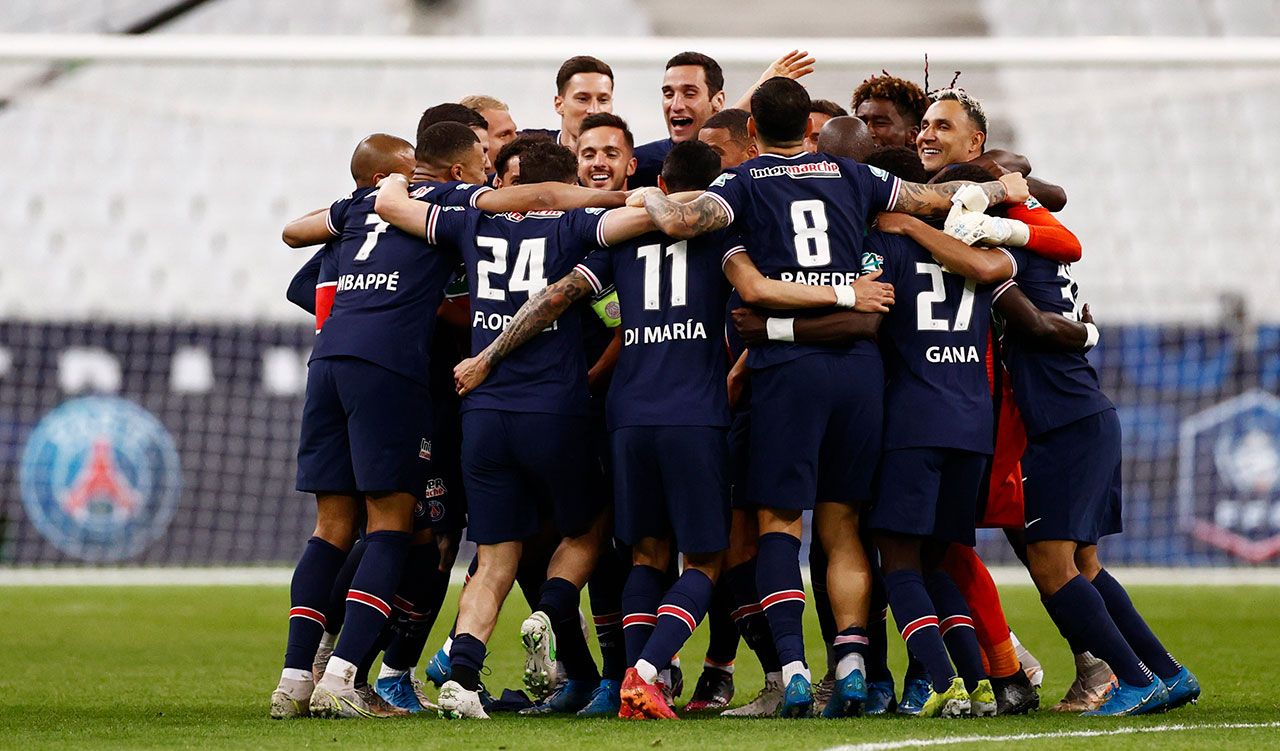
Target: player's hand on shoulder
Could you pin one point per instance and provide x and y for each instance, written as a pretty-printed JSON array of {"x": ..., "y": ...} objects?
[
  {"x": 750, "y": 325},
  {"x": 873, "y": 296},
  {"x": 394, "y": 177},
  {"x": 893, "y": 223},
  {"x": 1085, "y": 315},
  {"x": 469, "y": 374},
  {"x": 1016, "y": 188},
  {"x": 635, "y": 198}
]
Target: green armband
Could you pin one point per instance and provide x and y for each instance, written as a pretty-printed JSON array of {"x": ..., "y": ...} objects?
[{"x": 606, "y": 306}]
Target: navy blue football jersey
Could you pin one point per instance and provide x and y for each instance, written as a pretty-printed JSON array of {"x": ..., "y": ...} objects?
[
  {"x": 673, "y": 363},
  {"x": 934, "y": 341},
  {"x": 320, "y": 268},
  {"x": 1052, "y": 388},
  {"x": 803, "y": 219},
  {"x": 510, "y": 257},
  {"x": 389, "y": 283},
  {"x": 649, "y": 158}
]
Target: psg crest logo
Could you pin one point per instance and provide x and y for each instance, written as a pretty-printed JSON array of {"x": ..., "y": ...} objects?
[{"x": 100, "y": 478}]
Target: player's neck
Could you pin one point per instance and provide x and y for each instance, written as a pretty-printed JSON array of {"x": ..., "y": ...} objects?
[
  {"x": 422, "y": 174},
  {"x": 781, "y": 149}
]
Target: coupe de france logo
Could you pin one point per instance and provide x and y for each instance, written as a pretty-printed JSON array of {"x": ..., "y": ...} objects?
[
  {"x": 1229, "y": 476},
  {"x": 100, "y": 478}
]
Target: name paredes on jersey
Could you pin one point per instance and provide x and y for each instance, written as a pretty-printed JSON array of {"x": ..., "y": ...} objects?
[
  {"x": 687, "y": 330},
  {"x": 820, "y": 278},
  {"x": 389, "y": 282},
  {"x": 797, "y": 171},
  {"x": 952, "y": 354}
]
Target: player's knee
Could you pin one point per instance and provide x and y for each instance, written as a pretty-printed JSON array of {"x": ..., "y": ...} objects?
[
  {"x": 709, "y": 564},
  {"x": 652, "y": 552},
  {"x": 1087, "y": 562},
  {"x": 1051, "y": 567},
  {"x": 787, "y": 521},
  {"x": 390, "y": 512},
  {"x": 336, "y": 520}
]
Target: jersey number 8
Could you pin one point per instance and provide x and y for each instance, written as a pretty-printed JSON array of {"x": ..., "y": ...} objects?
[{"x": 809, "y": 222}]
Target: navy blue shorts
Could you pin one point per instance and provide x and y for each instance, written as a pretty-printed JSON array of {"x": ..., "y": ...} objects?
[
  {"x": 929, "y": 492},
  {"x": 365, "y": 430},
  {"x": 443, "y": 505},
  {"x": 521, "y": 468},
  {"x": 672, "y": 479},
  {"x": 1072, "y": 484},
  {"x": 816, "y": 423},
  {"x": 739, "y": 458}
]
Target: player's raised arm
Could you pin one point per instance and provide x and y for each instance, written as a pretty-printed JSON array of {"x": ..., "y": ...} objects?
[
  {"x": 685, "y": 220},
  {"x": 934, "y": 199},
  {"x": 985, "y": 266},
  {"x": 1040, "y": 329},
  {"x": 865, "y": 295},
  {"x": 795, "y": 64},
  {"x": 538, "y": 312},
  {"x": 311, "y": 228},
  {"x": 399, "y": 210},
  {"x": 841, "y": 328}
]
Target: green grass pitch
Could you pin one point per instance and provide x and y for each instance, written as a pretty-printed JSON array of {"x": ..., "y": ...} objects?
[{"x": 136, "y": 667}]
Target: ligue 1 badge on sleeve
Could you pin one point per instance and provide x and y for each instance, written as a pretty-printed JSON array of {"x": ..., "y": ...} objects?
[
  {"x": 1229, "y": 476},
  {"x": 100, "y": 478}
]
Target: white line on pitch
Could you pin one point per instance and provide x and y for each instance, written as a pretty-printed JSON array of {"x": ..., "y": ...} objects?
[{"x": 959, "y": 740}]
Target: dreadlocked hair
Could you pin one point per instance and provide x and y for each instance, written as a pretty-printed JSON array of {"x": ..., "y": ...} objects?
[{"x": 908, "y": 99}]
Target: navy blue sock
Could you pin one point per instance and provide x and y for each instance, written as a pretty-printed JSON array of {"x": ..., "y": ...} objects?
[
  {"x": 1132, "y": 626},
  {"x": 956, "y": 626},
  {"x": 916, "y": 670},
  {"x": 782, "y": 593},
  {"x": 821, "y": 601},
  {"x": 369, "y": 600},
  {"x": 1079, "y": 609},
  {"x": 467, "y": 658},
  {"x": 362, "y": 670},
  {"x": 914, "y": 613},
  {"x": 682, "y": 608},
  {"x": 413, "y": 604},
  {"x": 749, "y": 617},
  {"x": 308, "y": 597},
  {"x": 530, "y": 576},
  {"x": 336, "y": 611},
  {"x": 722, "y": 635},
  {"x": 604, "y": 592},
  {"x": 877, "y": 630},
  {"x": 640, "y": 599},
  {"x": 559, "y": 599}
]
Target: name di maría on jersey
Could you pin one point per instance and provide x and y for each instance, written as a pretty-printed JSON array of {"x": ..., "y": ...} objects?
[{"x": 688, "y": 330}]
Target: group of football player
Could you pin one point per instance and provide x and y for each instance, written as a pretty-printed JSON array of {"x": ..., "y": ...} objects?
[{"x": 634, "y": 369}]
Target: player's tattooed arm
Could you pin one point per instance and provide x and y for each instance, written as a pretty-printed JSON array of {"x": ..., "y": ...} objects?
[
  {"x": 311, "y": 228},
  {"x": 841, "y": 328},
  {"x": 538, "y": 312},
  {"x": 396, "y": 208},
  {"x": 685, "y": 220},
  {"x": 934, "y": 199},
  {"x": 1040, "y": 329},
  {"x": 981, "y": 265}
]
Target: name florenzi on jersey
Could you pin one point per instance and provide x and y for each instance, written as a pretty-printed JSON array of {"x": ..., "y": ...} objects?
[{"x": 804, "y": 169}]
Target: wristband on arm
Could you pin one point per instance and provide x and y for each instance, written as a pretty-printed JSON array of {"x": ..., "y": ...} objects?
[{"x": 780, "y": 329}]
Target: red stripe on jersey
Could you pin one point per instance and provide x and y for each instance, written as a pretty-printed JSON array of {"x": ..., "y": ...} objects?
[
  {"x": 431, "y": 223},
  {"x": 924, "y": 621},
  {"x": 609, "y": 619},
  {"x": 373, "y": 601},
  {"x": 591, "y": 278},
  {"x": 744, "y": 611},
  {"x": 680, "y": 613},
  {"x": 639, "y": 619},
  {"x": 310, "y": 614},
  {"x": 786, "y": 595}
]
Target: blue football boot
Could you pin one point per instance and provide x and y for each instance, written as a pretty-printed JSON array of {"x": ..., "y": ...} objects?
[
  {"x": 1125, "y": 700},
  {"x": 881, "y": 698},
  {"x": 1183, "y": 689},
  {"x": 797, "y": 701},
  {"x": 568, "y": 698},
  {"x": 915, "y": 692},
  {"x": 399, "y": 692},
  {"x": 439, "y": 669},
  {"x": 848, "y": 697},
  {"x": 605, "y": 700}
]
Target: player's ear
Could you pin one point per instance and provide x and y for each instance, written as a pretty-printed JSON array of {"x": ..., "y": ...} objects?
[
  {"x": 717, "y": 101},
  {"x": 753, "y": 150},
  {"x": 751, "y": 129},
  {"x": 979, "y": 140},
  {"x": 559, "y": 105},
  {"x": 378, "y": 176},
  {"x": 456, "y": 172},
  {"x": 662, "y": 185},
  {"x": 497, "y": 182},
  {"x": 913, "y": 133},
  {"x": 631, "y": 166}
]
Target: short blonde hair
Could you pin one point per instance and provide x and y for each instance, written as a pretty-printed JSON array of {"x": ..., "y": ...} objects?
[{"x": 481, "y": 102}]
